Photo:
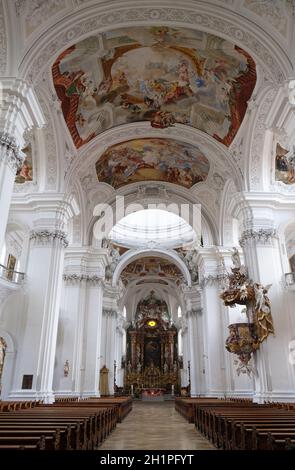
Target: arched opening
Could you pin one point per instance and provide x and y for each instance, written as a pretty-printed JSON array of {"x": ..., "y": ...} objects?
[{"x": 153, "y": 227}]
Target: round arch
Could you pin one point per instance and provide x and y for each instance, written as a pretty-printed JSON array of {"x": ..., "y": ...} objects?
[
  {"x": 167, "y": 194},
  {"x": 99, "y": 18},
  {"x": 133, "y": 255}
]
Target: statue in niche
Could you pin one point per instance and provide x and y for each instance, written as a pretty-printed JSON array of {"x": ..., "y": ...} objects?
[
  {"x": 105, "y": 243},
  {"x": 292, "y": 352},
  {"x": 3, "y": 347},
  {"x": 236, "y": 258},
  {"x": 190, "y": 260}
]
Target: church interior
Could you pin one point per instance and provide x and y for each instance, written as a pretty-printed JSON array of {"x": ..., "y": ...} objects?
[{"x": 147, "y": 224}]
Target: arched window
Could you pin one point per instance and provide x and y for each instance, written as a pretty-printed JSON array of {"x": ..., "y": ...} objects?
[
  {"x": 124, "y": 312},
  {"x": 179, "y": 313}
]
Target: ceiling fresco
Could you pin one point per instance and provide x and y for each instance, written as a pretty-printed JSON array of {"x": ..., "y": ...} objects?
[
  {"x": 152, "y": 159},
  {"x": 156, "y": 74},
  {"x": 158, "y": 268}
]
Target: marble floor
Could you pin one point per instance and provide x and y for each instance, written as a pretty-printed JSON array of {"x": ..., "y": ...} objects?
[{"x": 155, "y": 426}]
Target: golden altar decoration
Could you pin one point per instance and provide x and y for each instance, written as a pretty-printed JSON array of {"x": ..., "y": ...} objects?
[{"x": 152, "y": 360}]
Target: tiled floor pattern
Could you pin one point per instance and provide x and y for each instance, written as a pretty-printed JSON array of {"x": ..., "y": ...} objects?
[{"x": 155, "y": 426}]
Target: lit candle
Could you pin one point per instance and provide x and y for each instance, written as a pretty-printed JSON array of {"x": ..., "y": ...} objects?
[
  {"x": 131, "y": 389},
  {"x": 172, "y": 390}
]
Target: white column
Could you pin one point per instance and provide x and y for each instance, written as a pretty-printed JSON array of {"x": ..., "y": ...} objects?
[
  {"x": 194, "y": 353},
  {"x": 214, "y": 348},
  {"x": 275, "y": 377},
  {"x": 10, "y": 160},
  {"x": 109, "y": 332},
  {"x": 183, "y": 372},
  {"x": 19, "y": 112},
  {"x": 70, "y": 336},
  {"x": 84, "y": 268},
  {"x": 44, "y": 278},
  {"x": 119, "y": 350},
  {"x": 193, "y": 309},
  {"x": 92, "y": 338}
]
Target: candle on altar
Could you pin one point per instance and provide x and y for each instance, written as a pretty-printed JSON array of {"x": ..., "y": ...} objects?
[
  {"x": 131, "y": 389},
  {"x": 172, "y": 390}
]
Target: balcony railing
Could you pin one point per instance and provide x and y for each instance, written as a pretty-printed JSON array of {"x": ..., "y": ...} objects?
[
  {"x": 10, "y": 275},
  {"x": 290, "y": 279}
]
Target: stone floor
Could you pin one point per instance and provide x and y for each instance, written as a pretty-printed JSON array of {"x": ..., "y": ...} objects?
[{"x": 155, "y": 426}]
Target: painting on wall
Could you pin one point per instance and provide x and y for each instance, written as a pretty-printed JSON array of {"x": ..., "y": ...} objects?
[
  {"x": 158, "y": 74},
  {"x": 285, "y": 170},
  {"x": 152, "y": 159},
  {"x": 25, "y": 173}
]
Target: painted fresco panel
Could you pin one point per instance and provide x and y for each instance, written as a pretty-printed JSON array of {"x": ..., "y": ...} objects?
[
  {"x": 157, "y": 74},
  {"x": 152, "y": 159}
]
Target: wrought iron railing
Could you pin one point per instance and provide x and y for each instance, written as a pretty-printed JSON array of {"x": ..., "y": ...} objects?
[
  {"x": 290, "y": 279},
  {"x": 11, "y": 275}
]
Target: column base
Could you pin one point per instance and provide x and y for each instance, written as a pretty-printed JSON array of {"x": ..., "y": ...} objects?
[
  {"x": 239, "y": 394},
  {"x": 275, "y": 396},
  {"x": 90, "y": 393},
  {"x": 66, "y": 393},
  {"x": 31, "y": 395}
]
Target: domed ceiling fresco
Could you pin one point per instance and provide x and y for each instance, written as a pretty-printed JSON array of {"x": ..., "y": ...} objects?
[
  {"x": 152, "y": 159},
  {"x": 157, "y": 74}
]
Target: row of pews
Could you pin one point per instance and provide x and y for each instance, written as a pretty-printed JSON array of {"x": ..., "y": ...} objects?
[
  {"x": 67, "y": 424},
  {"x": 240, "y": 424}
]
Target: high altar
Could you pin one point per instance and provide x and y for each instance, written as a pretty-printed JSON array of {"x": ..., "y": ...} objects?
[{"x": 152, "y": 360}]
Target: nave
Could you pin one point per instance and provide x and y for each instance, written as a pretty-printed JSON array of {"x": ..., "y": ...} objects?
[
  {"x": 147, "y": 224},
  {"x": 155, "y": 426}
]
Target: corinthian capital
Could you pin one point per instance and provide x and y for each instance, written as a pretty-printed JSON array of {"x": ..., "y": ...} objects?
[
  {"x": 46, "y": 237},
  {"x": 79, "y": 278},
  {"x": 262, "y": 236},
  {"x": 10, "y": 152}
]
